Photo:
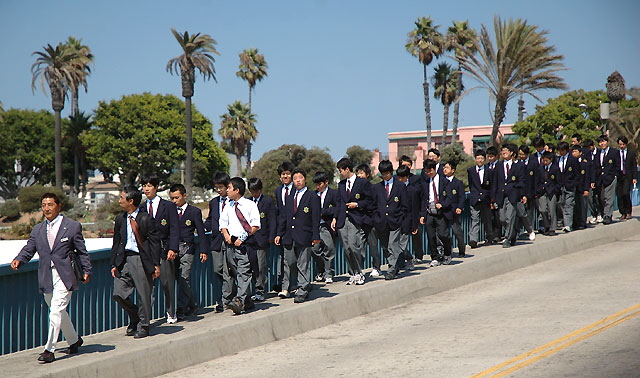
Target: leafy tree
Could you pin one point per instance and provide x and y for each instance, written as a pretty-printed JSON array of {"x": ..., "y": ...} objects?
[
  {"x": 83, "y": 58},
  {"x": 238, "y": 129},
  {"x": 61, "y": 68},
  {"x": 426, "y": 43},
  {"x": 10, "y": 209},
  {"x": 26, "y": 138},
  {"x": 444, "y": 83},
  {"x": 78, "y": 123},
  {"x": 138, "y": 133},
  {"x": 311, "y": 160},
  {"x": 359, "y": 155},
  {"x": 460, "y": 39},
  {"x": 521, "y": 61},
  {"x": 198, "y": 51},
  {"x": 628, "y": 120},
  {"x": 252, "y": 69},
  {"x": 30, "y": 197},
  {"x": 454, "y": 153}
]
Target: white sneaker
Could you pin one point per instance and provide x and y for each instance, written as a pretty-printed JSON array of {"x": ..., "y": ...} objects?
[
  {"x": 566, "y": 229},
  {"x": 328, "y": 279},
  {"x": 352, "y": 280},
  {"x": 532, "y": 236},
  {"x": 359, "y": 279},
  {"x": 283, "y": 294},
  {"x": 171, "y": 319},
  {"x": 434, "y": 263},
  {"x": 374, "y": 273},
  {"x": 593, "y": 220},
  {"x": 447, "y": 260},
  {"x": 599, "y": 219}
]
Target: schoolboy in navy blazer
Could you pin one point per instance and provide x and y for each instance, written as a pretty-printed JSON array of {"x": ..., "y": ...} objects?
[
  {"x": 324, "y": 252},
  {"x": 263, "y": 237},
  {"x": 479, "y": 199},
  {"x": 285, "y": 170},
  {"x": 547, "y": 190},
  {"x": 458, "y": 197},
  {"x": 507, "y": 190},
  {"x": 607, "y": 162},
  {"x": 434, "y": 214}
]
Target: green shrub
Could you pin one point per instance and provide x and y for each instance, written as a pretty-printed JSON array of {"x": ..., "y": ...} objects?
[
  {"x": 22, "y": 230},
  {"x": 30, "y": 198},
  {"x": 10, "y": 209}
]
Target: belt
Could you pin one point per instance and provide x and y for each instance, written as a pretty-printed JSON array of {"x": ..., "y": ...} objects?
[{"x": 130, "y": 253}]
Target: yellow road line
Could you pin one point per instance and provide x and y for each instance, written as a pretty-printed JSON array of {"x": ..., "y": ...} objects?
[{"x": 531, "y": 355}]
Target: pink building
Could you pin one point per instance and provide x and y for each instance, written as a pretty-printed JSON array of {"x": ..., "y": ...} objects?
[{"x": 414, "y": 143}]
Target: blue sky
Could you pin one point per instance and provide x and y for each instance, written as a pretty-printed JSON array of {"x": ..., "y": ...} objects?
[{"x": 339, "y": 74}]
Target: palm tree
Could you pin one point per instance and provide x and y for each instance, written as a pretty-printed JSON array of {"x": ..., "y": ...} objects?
[
  {"x": 84, "y": 58},
  {"x": 459, "y": 39},
  {"x": 79, "y": 122},
  {"x": 59, "y": 67},
  {"x": 198, "y": 53},
  {"x": 444, "y": 83},
  {"x": 520, "y": 62},
  {"x": 238, "y": 129},
  {"x": 252, "y": 69},
  {"x": 616, "y": 91},
  {"x": 425, "y": 43}
]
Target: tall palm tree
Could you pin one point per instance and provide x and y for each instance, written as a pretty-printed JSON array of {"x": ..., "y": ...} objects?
[
  {"x": 238, "y": 129},
  {"x": 459, "y": 39},
  {"x": 84, "y": 58},
  {"x": 59, "y": 68},
  {"x": 198, "y": 51},
  {"x": 444, "y": 83},
  {"x": 252, "y": 69},
  {"x": 520, "y": 62},
  {"x": 79, "y": 122},
  {"x": 426, "y": 43}
]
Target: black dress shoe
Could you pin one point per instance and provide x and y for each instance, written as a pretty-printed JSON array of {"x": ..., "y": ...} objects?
[
  {"x": 506, "y": 244},
  {"x": 299, "y": 299},
  {"x": 46, "y": 357},
  {"x": 219, "y": 308},
  {"x": 143, "y": 332},
  {"x": 462, "y": 255},
  {"x": 236, "y": 306},
  {"x": 473, "y": 244},
  {"x": 133, "y": 326},
  {"x": 249, "y": 305},
  {"x": 606, "y": 220},
  {"x": 389, "y": 276},
  {"x": 73, "y": 348}
]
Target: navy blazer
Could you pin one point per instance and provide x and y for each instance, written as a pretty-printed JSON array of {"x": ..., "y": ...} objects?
[
  {"x": 329, "y": 209},
  {"x": 166, "y": 220},
  {"x": 190, "y": 222},
  {"x": 268, "y": 225},
  {"x": 547, "y": 182},
  {"x": 479, "y": 191},
  {"x": 303, "y": 225},
  {"x": 69, "y": 238},
  {"x": 511, "y": 187},
  {"x": 630, "y": 165},
  {"x": 607, "y": 170},
  {"x": 212, "y": 223},
  {"x": 150, "y": 248},
  {"x": 390, "y": 213},
  {"x": 414, "y": 193},
  {"x": 584, "y": 178},
  {"x": 569, "y": 178},
  {"x": 444, "y": 198},
  {"x": 456, "y": 191},
  {"x": 360, "y": 193},
  {"x": 531, "y": 166}
]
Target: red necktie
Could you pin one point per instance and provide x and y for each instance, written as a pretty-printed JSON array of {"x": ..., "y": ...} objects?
[
  {"x": 508, "y": 168},
  {"x": 435, "y": 191},
  {"x": 295, "y": 202},
  {"x": 224, "y": 201},
  {"x": 386, "y": 188},
  {"x": 151, "y": 209},
  {"x": 242, "y": 219},
  {"x": 286, "y": 194},
  {"x": 179, "y": 213}
]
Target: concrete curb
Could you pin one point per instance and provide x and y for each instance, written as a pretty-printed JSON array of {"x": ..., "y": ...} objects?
[{"x": 110, "y": 354}]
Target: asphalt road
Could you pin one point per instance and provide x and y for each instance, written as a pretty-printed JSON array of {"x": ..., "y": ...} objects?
[{"x": 574, "y": 316}]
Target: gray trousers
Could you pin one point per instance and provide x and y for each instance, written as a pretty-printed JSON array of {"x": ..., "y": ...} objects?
[
  {"x": 480, "y": 214},
  {"x": 261, "y": 274},
  {"x": 391, "y": 247},
  {"x": 324, "y": 252},
  {"x": 132, "y": 276},
  {"x": 437, "y": 227},
  {"x": 406, "y": 252},
  {"x": 567, "y": 202},
  {"x": 594, "y": 202},
  {"x": 185, "y": 261},
  {"x": 298, "y": 259},
  {"x": 371, "y": 235},
  {"x": 508, "y": 219},
  {"x": 523, "y": 217},
  {"x": 547, "y": 209},
  {"x": 353, "y": 239},
  {"x": 236, "y": 273},
  {"x": 607, "y": 194},
  {"x": 217, "y": 258}
]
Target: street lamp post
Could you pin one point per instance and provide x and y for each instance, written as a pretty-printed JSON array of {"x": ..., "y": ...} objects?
[{"x": 182, "y": 172}]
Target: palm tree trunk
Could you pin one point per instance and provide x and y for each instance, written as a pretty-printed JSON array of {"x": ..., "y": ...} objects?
[
  {"x": 249, "y": 142},
  {"x": 456, "y": 105},
  {"x": 238, "y": 165},
  {"x": 188, "y": 164},
  {"x": 445, "y": 125},
  {"x": 74, "y": 101},
  {"x": 76, "y": 173},
  {"x": 498, "y": 117},
  {"x": 58, "y": 149},
  {"x": 427, "y": 107}
]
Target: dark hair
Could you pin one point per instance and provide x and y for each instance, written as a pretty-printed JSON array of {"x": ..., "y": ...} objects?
[
  {"x": 492, "y": 150},
  {"x": 254, "y": 183},
  {"x": 320, "y": 177},
  {"x": 511, "y": 147},
  {"x": 133, "y": 193},
  {"x": 435, "y": 151},
  {"x": 602, "y": 138},
  {"x": 480, "y": 152},
  {"x": 551, "y": 146},
  {"x": 577, "y": 136},
  {"x": 403, "y": 171},
  {"x": 364, "y": 168},
  {"x": 548, "y": 155},
  {"x": 299, "y": 170},
  {"x": 538, "y": 142},
  {"x": 178, "y": 188},
  {"x": 588, "y": 143},
  {"x": 150, "y": 178},
  {"x": 452, "y": 164},
  {"x": 563, "y": 146},
  {"x": 404, "y": 158},
  {"x": 345, "y": 164},
  {"x": 623, "y": 139},
  {"x": 221, "y": 178},
  {"x": 285, "y": 166},
  {"x": 524, "y": 148},
  {"x": 385, "y": 166},
  {"x": 238, "y": 183},
  {"x": 429, "y": 164},
  {"x": 50, "y": 195},
  {"x": 576, "y": 147}
]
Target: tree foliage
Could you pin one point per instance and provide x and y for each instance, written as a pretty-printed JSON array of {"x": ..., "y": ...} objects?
[
  {"x": 143, "y": 133},
  {"x": 359, "y": 155},
  {"x": 30, "y": 197},
  {"x": 628, "y": 121},
  {"x": 238, "y": 129},
  {"x": 311, "y": 160}
]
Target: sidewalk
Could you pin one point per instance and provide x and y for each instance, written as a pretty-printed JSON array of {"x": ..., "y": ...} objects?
[{"x": 210, "y": 335}]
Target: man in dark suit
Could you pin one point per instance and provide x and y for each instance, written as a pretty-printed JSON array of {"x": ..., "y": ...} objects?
[
  {"x": 189, "y": 222},
  {"x": 370, "y": 233},
  {"x": 507, "y": 191},
  {"x": 457, "y": 193},
  {"x": 583, "y": 185},
  {"x": 135, "y": 261},
  {"x": 547, "y": 190},
  {"x": 479, "y": 200},
  {"x": 628, "y": 176},
  {"x": 528, "y": 207},
  {"x": 607, "y": 163},
  {"x": 216, "y": 206},
  {"x": 590, "y": 152},
  {"x": 264, "y": 236},
  {"x": 281, "y": 193},
  {"x": 354, "y": 202},
  {"x": 391, "y": 207},
  {"x": 164, "y": 214},
  {"x": 417, "y": 184},
  {"x": 411, "y": 219},
  {"x": 435, "y": 205},
  {"x": 53, "y": 240},
  {"x": 325, "y": 251},
  {"x": 569, "y": 176},
  {"x": 492, "y": 163},
  {"x": 299, "y": 231}
]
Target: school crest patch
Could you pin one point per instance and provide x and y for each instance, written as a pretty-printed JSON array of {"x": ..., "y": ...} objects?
[
  {"x": 262, "y": 215},
  {"x": 582, "y": 172},
  {"x": 163, "y": 222},
  {"x": 306, "y": 209},
  {"x": 454, "y": 192},
  {"x": 570, "y": 169},
  {"x": 530, "y": 173},
  {"x": 553, "y": 177},
  {"x": 513, "y": 178},
  {"x": 444, "y": 193},
  {"x": 357, "y": 195},
  {"x": 396, "y": 199},
  {"x": 330, "y": 205},
  {"x": 610, "y": 161},
  {"x": 188, "y": 222}
]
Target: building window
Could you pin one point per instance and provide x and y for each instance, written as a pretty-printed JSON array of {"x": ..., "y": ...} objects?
[{"x": 407, "y": 149}]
